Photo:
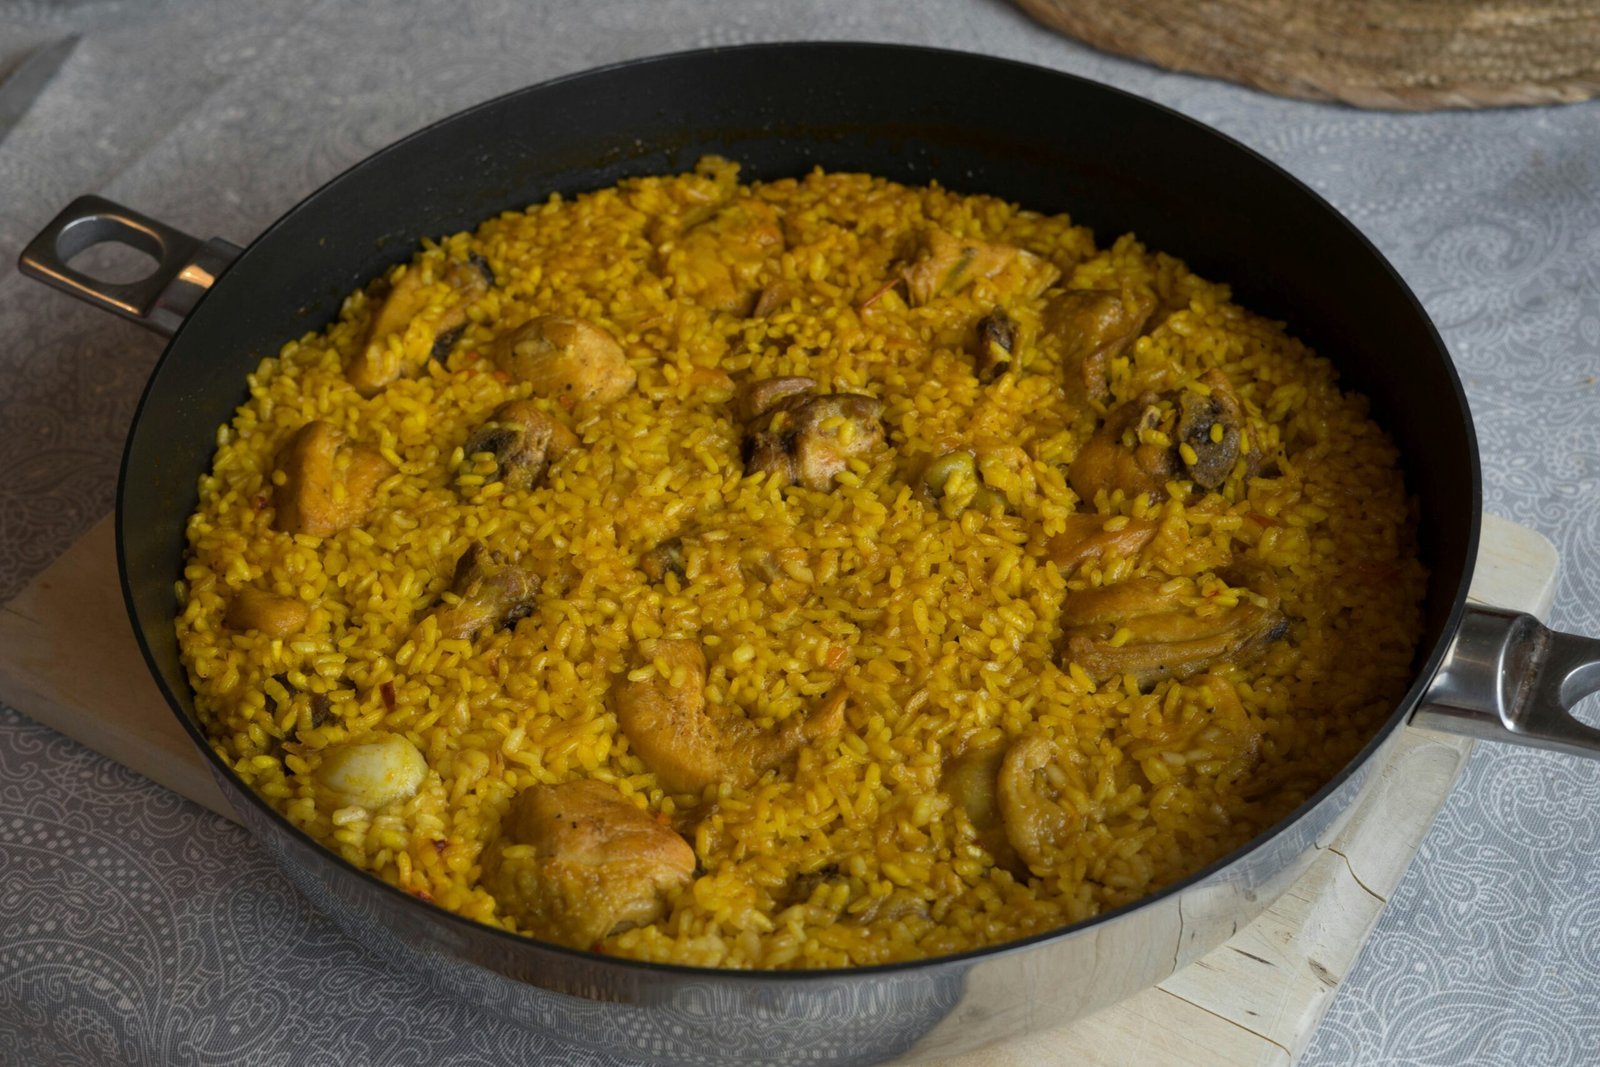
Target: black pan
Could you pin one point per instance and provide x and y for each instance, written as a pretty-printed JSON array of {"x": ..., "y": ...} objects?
[{"x": 975, "y": 124}]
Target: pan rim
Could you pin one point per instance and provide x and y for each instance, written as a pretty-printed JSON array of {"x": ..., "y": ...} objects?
[{"x": 521, "y": 943}]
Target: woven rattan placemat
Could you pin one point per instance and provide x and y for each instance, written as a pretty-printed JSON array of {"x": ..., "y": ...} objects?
[{"x": 1407, "y": 54}]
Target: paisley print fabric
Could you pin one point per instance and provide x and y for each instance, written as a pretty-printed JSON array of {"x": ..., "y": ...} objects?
[{"x": 136, "y": 928}]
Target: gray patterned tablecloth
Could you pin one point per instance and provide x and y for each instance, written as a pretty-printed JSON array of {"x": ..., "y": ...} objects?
[{"x": 136, "y": 928}]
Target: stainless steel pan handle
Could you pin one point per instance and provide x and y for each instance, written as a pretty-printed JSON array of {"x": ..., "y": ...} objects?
[
  {"x": 185, "y": 266},
  {"x": 1508, "y": 677}
]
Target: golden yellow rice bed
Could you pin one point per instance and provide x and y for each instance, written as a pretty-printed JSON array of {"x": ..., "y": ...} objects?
[{"x": 943, "y": 627}]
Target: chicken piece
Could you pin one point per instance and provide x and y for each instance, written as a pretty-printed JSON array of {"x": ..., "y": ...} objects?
[
  {"x": 806, "y": 439},
  {"x": 946, "y": 264},
  {"x": 566, "y": 359},
  {"x": 758, "y": 398},
  {"x": 523, "y": 440},
  {"x": 489, "y": 590},
  {"x": 1094, "y": 327},
  {"x": 1145, "y": 629},
  {"x": 972, "y": 781},
  {"x": 1087, "y": 537},
  {"x": 1037, "y": 814},
  {"x": 374, "y": 366},
  {"x": 993, "y": 343},
  {"x": 689, "y": 745},
  {"x": 717, "y": 263},
  {"x": 1195, "y": 430},
  {"x": 275, "y": 616},
  {"x": 1210, "y": 423},
  {"x": 328, "y": 483},
  {"x": 664, "y": 559},
  {"x": 579, "y": 861},
  {"x": 1120, "y": 456},
  {"x": 373, "y": 773}
]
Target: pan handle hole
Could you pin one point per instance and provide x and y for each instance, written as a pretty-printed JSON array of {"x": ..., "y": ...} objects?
[{"x": 114, "y": 262}]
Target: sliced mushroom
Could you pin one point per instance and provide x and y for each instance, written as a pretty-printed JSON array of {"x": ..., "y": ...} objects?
[
  {"x": 993, "y": 344},
  {"x": 664, "y": 559},
  {"x": 1210, "y": 422},
  {"x": 328, "y": 483},
  {"x": 489, "y": 590},
  {"x": 579, "y": 861},
  {"x": 687, "y": 744},
  {"x": 1094, "y": 327},
  {"x": 1146, "y": 628},
  {"x": 774, "y": 298},
  {"x": 523, "y": 441},
  {"x": 275, "y": 616},
  {"x": 566, "y": 359},
  {"x": 374, "y": 365},
  {"x": 806, "y": 439}
]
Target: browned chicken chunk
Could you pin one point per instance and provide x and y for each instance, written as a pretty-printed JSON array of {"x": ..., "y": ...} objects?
[
  {"x": 1094, "y": 327},
  {"x": 1117, "y": 458},
  {"x": 1143, "y": 628},
  {"x": 1144, "y": 444},
  {"x": 327, "y": 484},
  {"x": 689, "y": 745},
  {"x": 946, "y": 264},
  {"x": 579, "y": 861},
  {"x": 567, "y": 359},
  {"x": 972, "y": 780},
  {"x": 275, "y": 616},
  {"x": 523, "y": 440},
  {"x": 718, "y": 262},
  {"x": 489, "y": 591},
  {"x": 374, "y": 366},
  {"x": 992, "y": 347},
  {"x": 806, "y": 439},
  {"x": 1088, "y": 538}
]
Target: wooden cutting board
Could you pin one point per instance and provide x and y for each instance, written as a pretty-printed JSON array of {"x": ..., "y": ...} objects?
[{"x": 68, "y": 660}]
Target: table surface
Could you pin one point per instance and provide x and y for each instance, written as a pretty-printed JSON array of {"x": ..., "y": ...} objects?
[{"x": 137, "y": 928}]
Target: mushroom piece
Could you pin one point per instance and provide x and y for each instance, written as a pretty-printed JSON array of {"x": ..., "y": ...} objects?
[
  {"x": 1146, "y": 628},
  {"x": 806, "y": 439},
  {"x": 374, "y": 365},
  {"x": 993, "y": 343},
  {"x": 1094, "y": 327},
  {"x": 717, "y": 263},
  {"x": 489, "y": 590},
  {"x": 1210, "y": 423},
  {"x": 774, "y": 298},
  {"x": 579, "y": 861},
  {"x": 1196, "y": 430},
  {"x": 946, "y": 264},
  {"x": 372, "y": 773},
  {"x": 566, "y": 359},
  {"x": 687, "y": 744},
  {"x": 664, "y": 559},
  {"x": 523, "y": 441},
  {"x": 328, "y": 483}
]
